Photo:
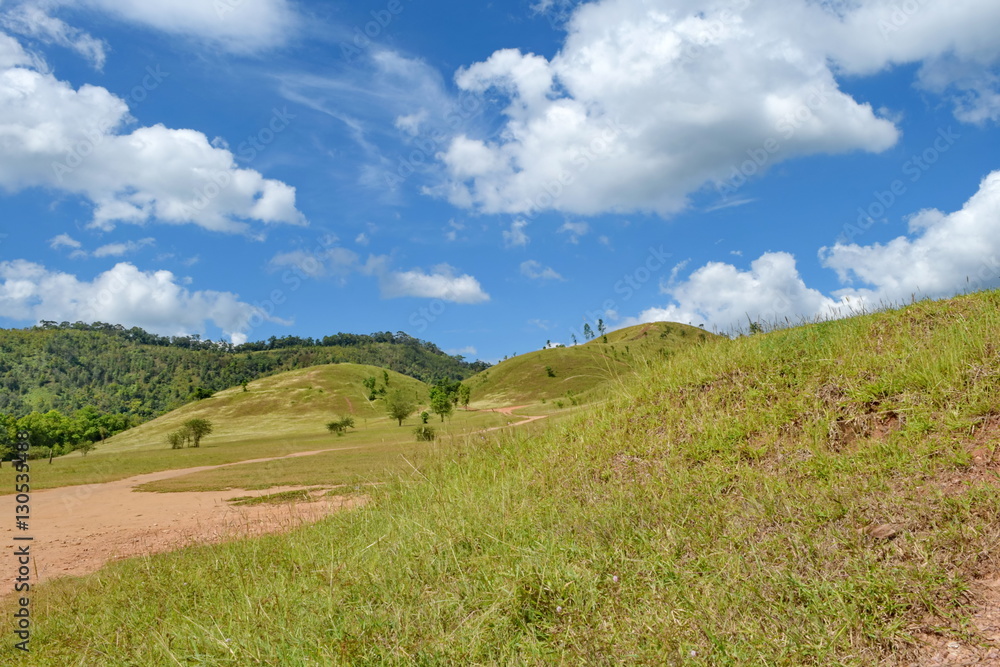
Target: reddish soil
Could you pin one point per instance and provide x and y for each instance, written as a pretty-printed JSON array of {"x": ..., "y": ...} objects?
[
  {"x": 510, "y": 413},
  {"x": 77, "y": 529}
]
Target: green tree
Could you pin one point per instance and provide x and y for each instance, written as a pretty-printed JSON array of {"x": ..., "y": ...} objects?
[
  {"x": 176, "y": 439},
  {"x": 341, "y": 425},
  {"x": 601, "y": 329},
  {"x": 399, "y": 404},
  {"x": 464, "y": 395},
  {"x": 197, "y": 429},
  {"x": 575, "y": 342},
  {"x": 588, "y": 333},
  {"x": 441, "y": 403},
  {"x": 425, "y": 417}
]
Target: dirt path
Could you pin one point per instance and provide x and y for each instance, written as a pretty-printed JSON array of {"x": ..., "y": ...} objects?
[
  {"x": 78, "y": 529},
  {"x": 510, "y": 413}
]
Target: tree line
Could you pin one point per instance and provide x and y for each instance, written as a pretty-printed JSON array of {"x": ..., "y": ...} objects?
[{"x": 53, "y": 433}]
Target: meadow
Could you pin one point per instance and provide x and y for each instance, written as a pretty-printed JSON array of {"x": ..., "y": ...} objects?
[{"x": 822, "y": 495}]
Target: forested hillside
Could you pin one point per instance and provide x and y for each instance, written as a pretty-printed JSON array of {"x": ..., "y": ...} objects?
[{"x": 130, "y": 371}]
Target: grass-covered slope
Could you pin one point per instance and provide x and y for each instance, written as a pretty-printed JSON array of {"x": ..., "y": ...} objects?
[
  {"x": 283, "y": 405},
  {"x": 579, "y": 369},
  {"x": 819, "y": 495},
  {"x": 130, "y": 371}
]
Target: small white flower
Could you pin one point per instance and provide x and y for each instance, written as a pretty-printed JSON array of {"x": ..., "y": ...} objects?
[{"x": 615, "y": 578}]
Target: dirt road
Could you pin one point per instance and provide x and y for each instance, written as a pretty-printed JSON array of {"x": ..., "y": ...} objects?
[{"x": 77, "y": 529}]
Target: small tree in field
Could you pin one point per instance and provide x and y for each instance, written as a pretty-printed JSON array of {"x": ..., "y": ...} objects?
[
  {"x": 440, "y": 402},
  {"x": 197, "y": 429},
  {"x": 340, "y": 426},
  {"x": 464, "y": 395},
  {"x": 399, "y": 405},
  {"x": 176, "y": 440}
]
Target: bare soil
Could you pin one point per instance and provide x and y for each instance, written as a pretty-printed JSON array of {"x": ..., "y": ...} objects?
[{"x": 77, "y": 529}]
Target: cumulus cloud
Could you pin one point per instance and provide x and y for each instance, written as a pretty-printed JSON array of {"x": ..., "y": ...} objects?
[
  {"x": 648, "y": 101},
  {"x": 124, "y": 294},
  {"x": 441, "y": 283},
  {"x": 942, "y": 254},
  {"x": 75, "y": 140},
  {"x": 536, "y": 271}
]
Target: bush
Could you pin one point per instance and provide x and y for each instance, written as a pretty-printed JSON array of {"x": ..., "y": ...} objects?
[
  {"x": 548, "y": 371},
  {"x": 340, "y": 426},
  {"x": 424, "y": 433}
]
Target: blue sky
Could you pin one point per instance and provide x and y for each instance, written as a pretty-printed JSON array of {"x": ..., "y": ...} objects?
[{"x": 491, "y": 177}]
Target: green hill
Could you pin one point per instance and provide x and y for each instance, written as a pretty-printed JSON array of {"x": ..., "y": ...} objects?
[
  {"x": 569, "y": 372},
  {"x": 129, "y": 371},
  {"x": 824, "y": 495},
  {"x": 286, "y": 406}
]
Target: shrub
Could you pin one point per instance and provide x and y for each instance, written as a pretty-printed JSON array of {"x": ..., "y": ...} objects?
[{"x": 424, "y": 433}]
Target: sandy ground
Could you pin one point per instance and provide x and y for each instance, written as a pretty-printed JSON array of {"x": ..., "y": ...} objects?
[{"x": 77, "y": 529}]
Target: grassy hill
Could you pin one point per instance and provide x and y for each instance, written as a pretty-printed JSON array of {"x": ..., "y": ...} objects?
[
  {"x": 130, "y": 371},
  {"x": 582, "y": 368},
  {"x": 825, "y": 495},
  {"x": 277, "y": 415},
  {"x": 288, "y": 406}
]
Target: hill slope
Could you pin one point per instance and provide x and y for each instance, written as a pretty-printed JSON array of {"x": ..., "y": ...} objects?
[
  {"x": 820, "y": 495},
  {"x": 581, "y": 368},
  {"x": 66, "y": 367},
  {"x": 283, "y": 405}
]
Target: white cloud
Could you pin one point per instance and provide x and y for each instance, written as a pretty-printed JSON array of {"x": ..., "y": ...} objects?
[
  {"x": 55, "y": 136},
  {"x": 536, "y": 271},
  {"x": 240, "y": 26},
  {"x": 515, "y": 237},
  {"x": 440, "y": 283},
  {"x": 943, "y": 254},
  {"x": 575, "y": 230},
  {"x": 940, "y": 253},
  {"x": 32, "y": 21},
  {"x": 467, "y": 351},
  {"x": 119, "y": 249},
  {"x": 124, "y": 295},
  {"x": 650, "y": 100},
  {"x": 63, "y": 241}
]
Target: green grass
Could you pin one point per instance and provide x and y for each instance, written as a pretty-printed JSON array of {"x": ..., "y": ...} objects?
[
  {"x": 712, "y": 513},
  {"x": 293, "y": 496},
  {"x": 581, "y": 372},
  {"x": 279, "y": 415}
]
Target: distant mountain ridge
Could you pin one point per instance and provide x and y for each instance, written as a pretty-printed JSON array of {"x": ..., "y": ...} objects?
[{"x": 131, "y": 371}]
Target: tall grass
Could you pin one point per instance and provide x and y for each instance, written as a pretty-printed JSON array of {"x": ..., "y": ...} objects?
[{"x": 718, "y": 511}]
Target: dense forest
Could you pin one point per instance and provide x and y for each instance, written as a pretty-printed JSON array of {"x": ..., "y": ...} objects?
[{"x": 67, "y": 367}]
